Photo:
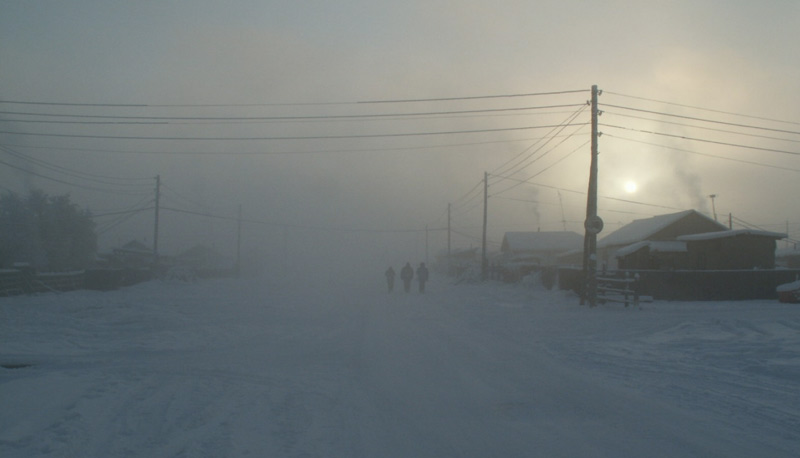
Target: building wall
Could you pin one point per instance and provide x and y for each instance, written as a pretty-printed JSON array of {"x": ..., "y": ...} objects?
[
  {"x": 740, "y": 252},
  {"x": 647, "y": 260}
]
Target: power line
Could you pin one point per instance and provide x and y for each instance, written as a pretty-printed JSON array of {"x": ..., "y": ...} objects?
[
  {"x": 102, "y": 179},
  {"x": 584, "y": 193},
  {"x": 760, "y": 164},
  {"x": 309, "y": 137},
  {"x": 549, "y": 138},
  {"x": 286, "y": 118},
  {"x": 771, "y": 150},
  {"x": 702, "y": 127},
  {"x": 144, "y": 105},
  {"x": 546, "y": 168},
  {"x": 298, "y": 226},
  {"x": 693, "y": 118},
  {"x": 92, "y": 188},
  {"x": 448, "y": 99},
  {"x": 276, "y": 153},
  {"x": 704, "y": 109}
]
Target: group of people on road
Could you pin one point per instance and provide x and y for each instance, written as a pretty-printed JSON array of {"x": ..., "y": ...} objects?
[{"x": 407, "y": 274}]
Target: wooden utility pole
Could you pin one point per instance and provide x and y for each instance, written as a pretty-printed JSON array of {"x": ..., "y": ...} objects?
[
  {"x": 239, "y": 243},
  {"x": 448, "y": 231},
  {"x": 426, "y": 244},
  {"x": 155, "y": 226},
  {"x": 484, "y": 260},
  {"x": 593, "y": 224}
]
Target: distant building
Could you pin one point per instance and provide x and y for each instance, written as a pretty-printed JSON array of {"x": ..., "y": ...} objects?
[
  {"x": 541, "y": 248},
  {"x": 522, "y": 253},
  {"x": 788, "y": 258},
  {"x": 132, "y": 255},
  {"x": 458, "y": 261}
]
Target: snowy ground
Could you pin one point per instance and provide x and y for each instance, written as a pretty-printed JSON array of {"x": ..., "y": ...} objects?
[{"x": 235, "y": 368}]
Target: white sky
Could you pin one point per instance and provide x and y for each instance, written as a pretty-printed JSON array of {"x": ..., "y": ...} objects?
[{"x": 317, "y": 58}]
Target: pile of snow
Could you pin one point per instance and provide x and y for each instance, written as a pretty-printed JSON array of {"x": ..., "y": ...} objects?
[{"x": 258, "y": 368}]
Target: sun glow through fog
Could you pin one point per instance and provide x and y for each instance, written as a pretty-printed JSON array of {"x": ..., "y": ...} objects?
[{"x": 630, "y": 187}]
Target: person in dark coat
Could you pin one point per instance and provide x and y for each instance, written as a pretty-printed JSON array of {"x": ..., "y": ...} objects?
[
  {"x": 422, "y": 276},
  {"x": 390, "y": 278},
  {"x": 406, "y": 274}
]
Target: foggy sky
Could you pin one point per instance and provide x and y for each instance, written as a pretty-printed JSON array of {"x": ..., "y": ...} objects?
[{"x": 341, "y": 198}]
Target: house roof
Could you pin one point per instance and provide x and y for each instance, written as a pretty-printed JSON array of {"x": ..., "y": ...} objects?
[
  {"x": 541, "y": 241},
  {"x": 731, "y": 233},
  {"x": 642, "y": 229}
]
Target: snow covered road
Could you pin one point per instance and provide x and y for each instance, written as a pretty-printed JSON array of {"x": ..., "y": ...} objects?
[{"x": 244, "y": 368}]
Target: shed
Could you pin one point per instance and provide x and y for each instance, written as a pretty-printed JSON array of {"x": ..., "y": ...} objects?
[{"x": 732, "y": 250}]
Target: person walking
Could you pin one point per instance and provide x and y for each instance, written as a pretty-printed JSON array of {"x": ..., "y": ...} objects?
[
  {"x": 422, "y": 276},
  {"x": 390, "y": 278},
  {"x": 406, "y": 274}
]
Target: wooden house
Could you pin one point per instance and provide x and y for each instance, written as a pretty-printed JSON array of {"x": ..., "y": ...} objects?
[
  {"x": 661, "y": 228},
  {"x": 731, "y": 250}
]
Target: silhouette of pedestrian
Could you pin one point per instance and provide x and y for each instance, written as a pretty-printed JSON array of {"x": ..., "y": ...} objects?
[
  {"x": 390, "y": 278},
  {"x": 406, "y": 274},
  {"x": 422, "y": 276}
]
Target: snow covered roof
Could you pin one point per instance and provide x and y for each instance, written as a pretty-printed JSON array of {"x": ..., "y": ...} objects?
[
  {"x": 541, "y": 241},
  {"x": 642, "y": 229},
  {"x": 731, "y": 233},
  {"x": 655, "y": 247}
]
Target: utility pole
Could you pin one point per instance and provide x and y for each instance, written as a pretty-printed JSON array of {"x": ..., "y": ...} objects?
[
  {"x": 593, "y": 224},
  {"x": 484, "y": 260},
  {"x": 563, "y": 218},
  {"x": 426, "y": 244},
  {"x": 239, "y": 243},
  {"x": 155, "y": 228},
  {"x": 448, "y": 231}
]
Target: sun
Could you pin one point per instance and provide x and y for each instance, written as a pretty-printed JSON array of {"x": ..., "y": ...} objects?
[{"x": 630, "y": 187}]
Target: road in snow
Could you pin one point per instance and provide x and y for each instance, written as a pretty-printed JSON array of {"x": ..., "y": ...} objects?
[{"x": 247, "y": 368}]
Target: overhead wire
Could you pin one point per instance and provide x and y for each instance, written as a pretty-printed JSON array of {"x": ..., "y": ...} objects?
[
  {"x": 715, "y": 142},
  {"x": 296, "y": 226},
  {"x": 68, "y": 183},
  {"x": 158, "y": 119},
  {"x": 566, "y": 156},
  {"x": 715, "y": 156},
  {"x": 713, "y": 121},
  {"x": 274, "y": 153},
  {"x": 725, "y": 131},
  {"x": 437, "y": 99},
  {"x": 703, "y": 108},
  {"x": 289, "y": 137},
  {"x": 504, "y": 169},
  {"x": 97, "y": 178}
]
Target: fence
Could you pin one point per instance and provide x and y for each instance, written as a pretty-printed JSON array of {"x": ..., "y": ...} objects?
[
  {"x": 694, "y": 285},
  {"x": 624, "y": 289}
]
